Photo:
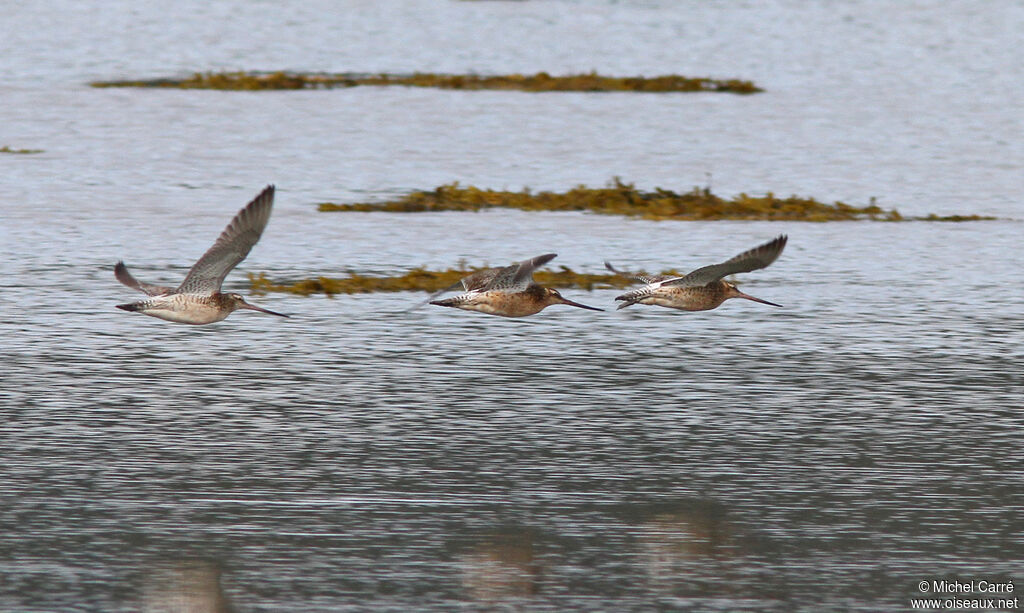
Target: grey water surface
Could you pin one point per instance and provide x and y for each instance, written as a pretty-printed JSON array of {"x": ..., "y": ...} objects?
[{"x": 826, "y": 456}]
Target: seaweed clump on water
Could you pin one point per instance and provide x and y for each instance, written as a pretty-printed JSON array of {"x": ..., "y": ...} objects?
[
  {"x": 233, "y": 81},
  {"x": 421, "y": 279},
  {"x": 587, "y": 82},
  {"x": 540, "y": 82},
  {"x": 620, "y": 198},
  {"x": 934, "y": 217},
  {"x": 8, "y": 149}
]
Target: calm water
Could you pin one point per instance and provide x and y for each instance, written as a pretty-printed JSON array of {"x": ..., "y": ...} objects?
[{"x": 822, "y": 457}]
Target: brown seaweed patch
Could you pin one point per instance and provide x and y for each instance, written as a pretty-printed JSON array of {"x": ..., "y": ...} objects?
[
  {"x": 8, "y": 149},
  {"x": 540, "y": 82},
  {"x": 620, "y": 198},
  {"x": 234, "y": 81},
  {"x": 421, "y": 279},
  {"x": 934, "y": 217}
]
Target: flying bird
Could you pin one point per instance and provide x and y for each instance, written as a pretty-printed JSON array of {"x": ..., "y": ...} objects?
[
  {"x": 703, "y": 289},
  {"x": 198, "y": 300},
  {"x": 508, "y": 291}
]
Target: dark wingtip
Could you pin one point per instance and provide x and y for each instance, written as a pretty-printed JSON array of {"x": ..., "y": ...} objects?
[
  {"x": 265, "y": 195},
  {"x": 128, "y": 307},
  {"x": 541, "y": 260},
  {"x": 441, "y": 302}
]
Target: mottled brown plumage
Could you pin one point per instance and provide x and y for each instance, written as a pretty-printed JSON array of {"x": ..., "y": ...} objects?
[
  {"x": 508, "y": 291},
  {"x": 703, "y": 289}
]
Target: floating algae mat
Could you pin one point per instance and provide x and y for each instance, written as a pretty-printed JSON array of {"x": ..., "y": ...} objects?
[
  {"x": 8, "y": 149},
  {"x": 540, "y": 82},
  {"x": 421, "y": 279},
  {"x": 620, "y": 198}
]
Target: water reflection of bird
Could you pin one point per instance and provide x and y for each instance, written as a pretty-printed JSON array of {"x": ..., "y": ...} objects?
[
  {"x": 703, "y": 289},
  {"x": 500, "y": 566},
  {"x": 198, "y": 300},
  {"x": 185, "y": 587},
  {"x": 685, "y": 546},
  {"x": 508, "y": 291}
]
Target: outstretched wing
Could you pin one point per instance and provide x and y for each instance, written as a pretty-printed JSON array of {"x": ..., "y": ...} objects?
[
  {"x": 122, "y": 275},
  {"x": 234, "y": 243},
  {"x": 517, "y": 277},
  {"x": 754, "y": 259},
  {"x": 479, "y": 279},
  {"x": 632, "y": 275}
]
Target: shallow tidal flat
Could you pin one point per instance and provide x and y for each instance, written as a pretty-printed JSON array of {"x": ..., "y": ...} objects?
[{"x": 539, "y": 82}]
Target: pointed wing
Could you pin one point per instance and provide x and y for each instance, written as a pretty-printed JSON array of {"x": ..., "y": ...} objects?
[
  {"x": 122, "y": 275},
  {"x": 632, "y": 275},
  {"x": 514, "y": 278},
  {"x": 232, "y": 246},
  {"x": 754, "y": 259}
]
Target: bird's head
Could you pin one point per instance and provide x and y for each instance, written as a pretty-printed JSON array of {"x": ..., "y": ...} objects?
[
  {"x": 553, "y": 297},
  {"x": 238, "y": 302},
  {"x": 731, "y": 291}
]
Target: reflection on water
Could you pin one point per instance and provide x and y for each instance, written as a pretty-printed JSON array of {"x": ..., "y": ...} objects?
[
  {"x": 188, "y": 586},
  {"x": 680, "y": 543},
  {"x": 500, "y": 566}
]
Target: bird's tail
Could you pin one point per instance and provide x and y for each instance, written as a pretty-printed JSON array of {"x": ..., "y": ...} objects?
[
  {"x": 430, "y": 298},
  {"x": 134, "y": 306},
  {"x": 454, "y": 301},
  {"x": 632, "y": 297}
]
